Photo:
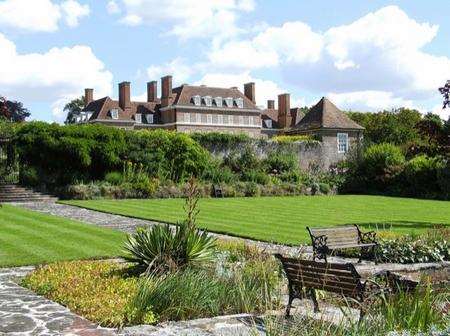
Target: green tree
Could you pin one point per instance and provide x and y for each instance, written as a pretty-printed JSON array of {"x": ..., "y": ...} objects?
[{"x": 73, "y": 108}]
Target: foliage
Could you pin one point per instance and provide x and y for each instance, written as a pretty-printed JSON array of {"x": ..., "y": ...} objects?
[
  {"x": 96, "y": 290},
  {"x": 162, "y": 248},
  {"x": 421, "y": 175},
  {"x": 94, "y": 150},
  {"x": 432, "y": 247},
  {"x": 416, "y": 311},
  {"x": 115, "y": 178},
  {"x": 73, "y": 108},
  {"x": 294, "y": 138},
  {"x": 249, "y": 287},
  {"x": 220, "y": 139},
  {"x": 445, "y": 92},
  {"x": 12, "y": 110}
]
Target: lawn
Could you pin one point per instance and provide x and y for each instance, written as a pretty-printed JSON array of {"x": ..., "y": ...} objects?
[
  {"x": 284, "y": 219},
  {"x": 28, "y": 237}
]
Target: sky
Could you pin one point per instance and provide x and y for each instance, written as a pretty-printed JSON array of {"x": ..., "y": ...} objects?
[{"x": 363, "y": 55}]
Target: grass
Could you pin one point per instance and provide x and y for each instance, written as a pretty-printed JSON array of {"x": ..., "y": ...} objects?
[
  {"x": 284, "y": 219},
  {"x": 28, "y": 237}
]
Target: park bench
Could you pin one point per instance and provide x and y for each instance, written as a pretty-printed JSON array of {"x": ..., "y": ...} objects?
[
  {"x": 217, "y": 191},
  {"x": 307, "y": 276},
  {"x": 325, "y": 241}
]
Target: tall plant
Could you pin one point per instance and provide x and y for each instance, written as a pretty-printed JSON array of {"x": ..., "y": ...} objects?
[{"x": 162, "y": 248}]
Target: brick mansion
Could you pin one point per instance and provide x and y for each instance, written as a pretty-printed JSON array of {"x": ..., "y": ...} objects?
[{"x": 189, "y": 108}]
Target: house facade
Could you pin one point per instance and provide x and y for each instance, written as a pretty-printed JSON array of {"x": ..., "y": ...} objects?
[{"x": 185, "y": 108}]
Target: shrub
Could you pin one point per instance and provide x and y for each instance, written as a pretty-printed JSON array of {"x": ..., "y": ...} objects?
[
  {"x": 114, "y": 178},
  {"x": 379, "y": 159},
  {"x": 97, "y": 290},
  {"x": 421, "y": 175},
  {"x": 255, "y": 176},
  {"x": 211, "y": 140},
  {"x": 293, "y": 138},
  {"x": 241, "y": 161},
  {"x": 162, "y": 249},
  {"x": 324, "y": 188},
  {"x": 278, "y": 162},
  {"x": 29, "y": 176},
  {"x": 217, "y": 173}
]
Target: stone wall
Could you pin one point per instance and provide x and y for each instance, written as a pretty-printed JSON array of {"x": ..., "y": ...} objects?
[{"x": 310, "y": 154}]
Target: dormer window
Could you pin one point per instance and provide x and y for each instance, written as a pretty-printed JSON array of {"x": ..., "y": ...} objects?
[
  {"x": 229, "y": 102},
  {"x": 149, "y": 118},
  {"x": 197, "y": 100},
  {"x": 218, "y": 101},
  {"x": 138, "y": 118},
  {"x": 268, "y": 123},
  {"x": 239, "y": 102},
  {"x": 114, "y": 113},
  {"x": 207, "y": 100}
]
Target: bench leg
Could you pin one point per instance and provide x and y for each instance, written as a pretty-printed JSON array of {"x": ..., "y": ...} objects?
[
  {"x": 314, "y": 300},
  {"x": 362, "y": 313},
  {"x": 291, "y": 298}
]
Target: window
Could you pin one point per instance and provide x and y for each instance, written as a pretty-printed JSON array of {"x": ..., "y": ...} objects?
[
  {"x": 203, "y": 118},
  {"x": 215, "y": 119},
  {"x": 246, "y": 120},
  {"x": 138, "y": 118},
  {"x": 192, "y": 118},
  {"x": 209, "y": 119},
  {"x": 342, "y": 140},
  {"x": 207, "y": 100},
  {"x": 114, "y": 113},
  {"x": 149, "y": 118},
  {"x": 268, "y": 123},
  {"x": 239, "y": 102},
  {"x": 197, "y": 100},
  {"x": 229, "y": 102},
  {"x": 226, "y": 119},
  {"x": 220, "y": 119},
  {"x": 241, "y": 120},
  {"x": 198, "y": 118},
  {"x": 218, "y": 101}
]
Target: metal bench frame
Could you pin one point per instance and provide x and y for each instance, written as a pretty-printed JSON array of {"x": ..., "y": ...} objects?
[
  {"x": 366, "y": 242},
  {"x": 306, "y": 276}
]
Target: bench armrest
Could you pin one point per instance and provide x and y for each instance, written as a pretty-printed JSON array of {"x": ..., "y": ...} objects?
[
  {"x": 319, "y": 241},
  {"x": 368, "y": 237}
]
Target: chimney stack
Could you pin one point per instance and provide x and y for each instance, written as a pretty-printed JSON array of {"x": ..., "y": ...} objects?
[
  {"x": 271, "y": 104},
  {"x": 249, "y": 91},
  {"x": 88, "y": 96},
  {"x": 124, "y": 96},
  {"x": 166, "y": 91},
  {"x": 284, "y": 110},
  {"x": 152, "y": 91}
]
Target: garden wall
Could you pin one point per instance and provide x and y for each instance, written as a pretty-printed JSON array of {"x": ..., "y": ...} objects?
[{"x": 319, "y": 155}]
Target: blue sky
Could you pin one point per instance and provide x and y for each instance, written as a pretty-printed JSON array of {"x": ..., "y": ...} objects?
[{"x": 364, "y": 55}]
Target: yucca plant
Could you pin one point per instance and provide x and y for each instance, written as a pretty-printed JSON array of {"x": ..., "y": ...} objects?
[{"x": 162, "y": 248}]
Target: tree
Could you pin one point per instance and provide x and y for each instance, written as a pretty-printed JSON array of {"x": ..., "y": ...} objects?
[
  {"x": 445, "y": 92},
  {"x": 13, "y": 110},
  {"x": 73, "y": 108}
]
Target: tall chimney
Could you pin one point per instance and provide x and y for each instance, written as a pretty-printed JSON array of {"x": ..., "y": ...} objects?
[
  {"x": 166, "y": 91},
  {"x": 271, "y": 104},
  {"x": 152, "y": 91},
  {"x": 284, "y": 110},
  {"x": 88, "y": 96},
  {"x": 249, "y": 91},
  {"x": 124, "y": 96}
]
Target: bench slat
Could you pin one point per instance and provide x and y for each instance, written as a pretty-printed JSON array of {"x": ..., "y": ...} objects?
[
  {"x": 320, "y": 270},
  {"x": 328, "y": 288},
  {"x": 319, "y": 265},
  {"x": 347, "y": 278},
  {"x": 322, "y": 280}
]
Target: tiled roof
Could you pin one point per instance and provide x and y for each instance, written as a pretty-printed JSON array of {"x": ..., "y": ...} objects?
[
  {"x": 183, "y": 95},
  {"x": 326, "y": 115},
  {"x": 101, "y": 108}
]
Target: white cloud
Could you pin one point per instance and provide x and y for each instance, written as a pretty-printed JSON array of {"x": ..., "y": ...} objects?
[
  {"x": 52, "y": 77},
  {"x": 112, "y": 7},
  {"x": 264, "y": 89},
  {"x": 73, "y": 12},
  {"x": 40, "y": 15},
  {"x": 292, "y": 42},
  {"x": 188, "y": 18},
  {"x": 368, "y": 100},
  {"x": 178, "y": 68}
]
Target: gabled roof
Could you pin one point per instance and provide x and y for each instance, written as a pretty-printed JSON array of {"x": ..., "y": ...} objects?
[
  {"x": 326, "y": 115},
  {"x": 102, "y": 106},
  {"x": 183, "y": 94}
]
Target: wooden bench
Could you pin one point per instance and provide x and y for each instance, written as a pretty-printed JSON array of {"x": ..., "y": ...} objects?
[
  {"x": 305, "y": 276},
  {"x": 327, "y": 240},
  {"x": 217, "y": 191}
]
